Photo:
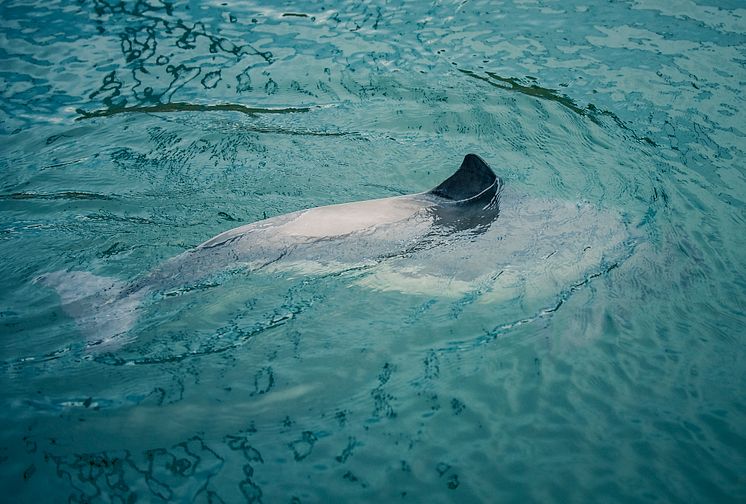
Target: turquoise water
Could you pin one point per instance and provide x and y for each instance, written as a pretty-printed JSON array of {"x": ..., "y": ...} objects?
[{"x": 134, "y": 131}]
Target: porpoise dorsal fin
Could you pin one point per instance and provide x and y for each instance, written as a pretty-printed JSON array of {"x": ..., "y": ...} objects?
[{"x": 473, "y": 177}]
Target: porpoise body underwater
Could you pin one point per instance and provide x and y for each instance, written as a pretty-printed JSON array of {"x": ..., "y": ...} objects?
[{"x": 471, "y": 233}]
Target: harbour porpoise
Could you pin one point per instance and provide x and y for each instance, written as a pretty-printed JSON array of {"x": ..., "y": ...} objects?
[{"x": 460, "y": 236}]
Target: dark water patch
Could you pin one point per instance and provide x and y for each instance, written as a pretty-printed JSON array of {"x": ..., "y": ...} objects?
[
  {"x": 303, "y": 447},
  {"x": 167, "y": 471},
  {"x": 63, "y": 195},
  {"x": 227, "y": 217},
  {"x": 117, "y": 248},
  {"x": 301, "y": 132},
  {"x": 516, "y": 85},
  {"x": 143, "y": 30},
  {"x": 110, "y": 217},
  {"x": 513, "y": 84},
  {"x": 188, "y": 107},
  {"x": 348, "y": 451}
]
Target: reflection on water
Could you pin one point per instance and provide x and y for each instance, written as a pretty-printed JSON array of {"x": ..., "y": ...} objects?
[
  {"x": 133, "y": 131},
  {"x": 189, "y": 107}
]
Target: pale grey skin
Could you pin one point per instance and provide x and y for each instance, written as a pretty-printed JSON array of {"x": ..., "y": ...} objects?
[
  {"x": 469, "y": 234},
  {"x": 344, "y": 235}
]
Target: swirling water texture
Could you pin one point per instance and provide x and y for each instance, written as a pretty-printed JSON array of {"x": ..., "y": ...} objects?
[{"x": 134, "y": 130}]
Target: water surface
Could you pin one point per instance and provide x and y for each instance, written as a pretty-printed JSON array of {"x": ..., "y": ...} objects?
[{"x": 134, "y": 131}]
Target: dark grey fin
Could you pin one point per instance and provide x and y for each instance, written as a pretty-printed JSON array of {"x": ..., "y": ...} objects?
[{"x": 473, "y": 177}]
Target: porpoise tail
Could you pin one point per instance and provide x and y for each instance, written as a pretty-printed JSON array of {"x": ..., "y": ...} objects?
[
  {"x": 96, "y": 303},
  {"x": 469, "y": 237}
]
